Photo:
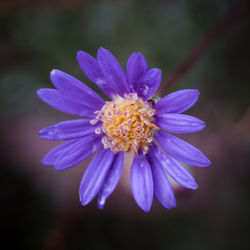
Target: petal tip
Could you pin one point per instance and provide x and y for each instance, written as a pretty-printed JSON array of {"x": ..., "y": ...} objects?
[
  {"x": 101, "y": 207},
  {"x": 53, "y": 71},
  {"x": 45, "y": 163},
  {"x": 54, "y": 74},
  {"x": 41, "y": 93},
  {"x": 79, "y": 54},
  {"x": 101, "y": 49},
  {"x": 101, "y": 203},
  {"x": 146, "y": 209},
  {"x": 196, "y": 93},
  {"x": 206, "y": 163},
  {"x": 83, "y": 201},
  {"x": 38, "y": 92},
  {"x": 58, "y": 167},
  {"x": 209, "y": 163},
  {"x": 194, "y": 186},
  {"x": 136, "y": 53},
  {"x": 203, "y": 125},
  {"x": 41, "y": 132},
  {"x": 174, "y": 205}
]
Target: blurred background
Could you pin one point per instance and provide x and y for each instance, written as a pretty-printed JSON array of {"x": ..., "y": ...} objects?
[{"x": 40, "y": 207}]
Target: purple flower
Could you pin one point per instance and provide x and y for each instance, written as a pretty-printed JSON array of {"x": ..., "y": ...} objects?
[{"x": 130, "y": 123}]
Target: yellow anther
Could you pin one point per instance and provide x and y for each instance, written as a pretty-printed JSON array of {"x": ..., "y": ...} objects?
[{"x": 127, "y": 123}]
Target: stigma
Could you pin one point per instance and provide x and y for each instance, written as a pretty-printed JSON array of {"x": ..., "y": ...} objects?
[{"x": 127, "y": 124}]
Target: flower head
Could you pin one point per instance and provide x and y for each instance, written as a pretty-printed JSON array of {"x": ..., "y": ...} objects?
[{"x": 130, "y": 123}]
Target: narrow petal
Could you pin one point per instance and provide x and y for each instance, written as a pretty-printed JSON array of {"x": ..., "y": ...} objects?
[
  {"x": 173, "y": 167},
  {"x": 142, "y": 182},
  {"x": 90, "y": 67},
  {"x": 136, "y": 68},
  {"x": 75, "y": 89},
  {"x": 182, "y": 150},
  {"x": 50, "y": 158},
  {"x": 163, "y": 191},
  {"x": 177, "y": 102},
  {"x": 95, "y": 175},
  {"x": 150, "y": 83},
  {"x": 57, "y": 100},
  {"x": 179, "y": 123},
  {"x": 77, "y": 152},
  {"x": 111, "y": 179},
  {"x": 112, "y": 72},
  {"x": 68, "y": 130}
]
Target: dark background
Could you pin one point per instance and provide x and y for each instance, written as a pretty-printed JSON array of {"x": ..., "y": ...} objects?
[{"x": 40, "y": 207}]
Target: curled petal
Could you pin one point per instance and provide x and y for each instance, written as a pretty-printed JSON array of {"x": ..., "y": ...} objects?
[
  {"x": 149, "y": 84},
  {"x": 112, "y": 72},
  {"x": 111, "y": 179},
  {"x": 163, "y": 191},
  {"x": 142, "y": 182},
  {"x": 177, "y": 102},
  {"x": 136, "y": 68},
  {"x": 182, "y": 150},
  {"x": 59, "y": 101},
  {"x": 79, "y": 151},
  {"x": 179, "y": 123},
  {"x": 94, "y": 176},
  {"x": 70, "y": 129},
  {"x": 173, "y": 167}
]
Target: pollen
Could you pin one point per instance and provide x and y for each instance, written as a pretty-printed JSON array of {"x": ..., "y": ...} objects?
[{"x": 127, "y": 124}]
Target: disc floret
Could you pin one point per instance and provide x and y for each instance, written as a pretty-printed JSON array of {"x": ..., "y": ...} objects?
[{"x": 127, "y": 123}]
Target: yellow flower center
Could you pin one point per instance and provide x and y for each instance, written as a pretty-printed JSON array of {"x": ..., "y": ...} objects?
[{"x": 126, "y": 123}]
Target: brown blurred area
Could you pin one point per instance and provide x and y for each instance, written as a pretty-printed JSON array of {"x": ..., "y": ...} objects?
[{"x": 40, "y": 208}]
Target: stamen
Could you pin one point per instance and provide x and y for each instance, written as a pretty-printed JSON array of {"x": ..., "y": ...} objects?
[
  {"x": 145, "y": 150},
  {"x": 93, "y": 122},
  {"x": 150, "y": 139},
  {"x": 98, "y": 130},
  {"x": 129, "y": 121},
  {"x": 114, "y": 142}
]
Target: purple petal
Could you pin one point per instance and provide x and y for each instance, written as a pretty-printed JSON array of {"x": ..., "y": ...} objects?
[
  {"x": 182, "y": 150},
  {"x": 142, "y": 182},
  {"x": 75, "y": 89},
  {"x": 112, "y": 72},
  {"x": 59, "y": 101},
  {"x": 149, "y": 84},
  {"x": 95, "y": 175},
  {"x": 163, "y": 191},
  {"x": 111, "y": 179},
  {"x": 173, "y": 167},
  {"x": 177, "y": 102},
  {"x": 50, "y": 158},
  {"x": 179, "y": 123},
  {"x": 90, "y": 67},
  {"x": 136, "y": 68},
  {"x": 77, "y": 152},
  {"x": 68, "y": 130}
]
